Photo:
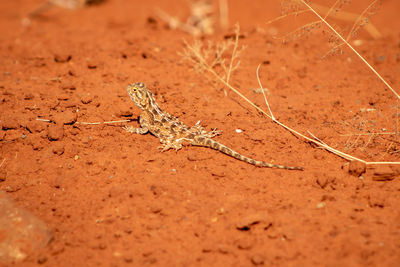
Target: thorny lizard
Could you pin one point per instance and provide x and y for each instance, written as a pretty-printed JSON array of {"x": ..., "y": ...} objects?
[{"x": 173, "y": 133}]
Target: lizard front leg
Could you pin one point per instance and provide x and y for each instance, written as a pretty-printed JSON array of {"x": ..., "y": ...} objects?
[{"x": 131, "y": 129}]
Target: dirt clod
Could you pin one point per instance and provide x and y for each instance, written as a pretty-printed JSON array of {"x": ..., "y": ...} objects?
[
  {"x": 384, "y": 173},
  {"x": 66, "y": 117},
  {"x": 356, "y": 168},
  {"x": 55, "y": 132},
  {"x": 86, "y": 99}
]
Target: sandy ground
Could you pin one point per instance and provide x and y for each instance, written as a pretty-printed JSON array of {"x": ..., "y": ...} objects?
[{"x": 112, "y": 198}]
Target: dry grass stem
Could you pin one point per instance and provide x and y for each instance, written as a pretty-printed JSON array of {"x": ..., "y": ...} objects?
[
  {"x": 362, "y": 20},
  {"x": 45, "y": 120},
  {"x": 360, "y": 134},
  {"x": 351, "y": 47},
  {"x": 317, "y": 141},
  {"x": 214, "y": 56},
  {"x": 90, "y": 123},
  {"x": 193, "y": 54},
  {"x": 296, "y": 13},
  {"x": 105, "y": 122},
  {"x": 265, "y": 97},
  {"x": 196, "y": 57},
  {"x": 235, "y": 55},
  {"x": 300, "y": 32},
  {"x": 342, "y": 15},
  {"x": 2, "y": 162},
  {"x": 223, "y": 14}
]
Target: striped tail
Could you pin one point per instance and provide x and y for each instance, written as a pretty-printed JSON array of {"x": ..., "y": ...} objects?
[{"x": 208, "y": 142}]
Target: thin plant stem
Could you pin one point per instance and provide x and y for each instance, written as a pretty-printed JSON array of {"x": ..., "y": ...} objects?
[{"x": 355, "y": 51}]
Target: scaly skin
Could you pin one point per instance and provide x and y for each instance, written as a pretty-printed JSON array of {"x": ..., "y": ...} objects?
[{"x": 172, "y": 133}]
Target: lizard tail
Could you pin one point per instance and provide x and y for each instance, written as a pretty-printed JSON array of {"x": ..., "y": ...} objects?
[{"x": 208, "y": 142}]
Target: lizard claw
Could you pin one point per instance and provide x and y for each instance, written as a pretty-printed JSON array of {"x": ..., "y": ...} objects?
[{"x": 214, "y": 132}]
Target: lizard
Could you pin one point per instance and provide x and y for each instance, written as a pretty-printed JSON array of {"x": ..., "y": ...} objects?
[{"x": 172, "y": 132}]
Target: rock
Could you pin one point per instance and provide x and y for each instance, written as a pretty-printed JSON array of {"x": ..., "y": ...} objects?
[
  {"x": 55, "y": 132},
  {"x": 22, "y": 234},
  {"x": 356, "y": 168}
]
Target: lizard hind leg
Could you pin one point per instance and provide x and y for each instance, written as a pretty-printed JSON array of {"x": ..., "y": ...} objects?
[
  {"x": 214, "y": 132},
  {"x": 168, "y": 143}
]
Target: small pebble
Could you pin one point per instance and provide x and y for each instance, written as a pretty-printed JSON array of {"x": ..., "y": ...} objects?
[
  {"x": 86, "y": 99},
  {"x": 58, "y": 149},
  {"x": 257, "y": 259},
  {"x": 62, "y": 58},
  {"x": 322, "y": 181},
  {"x": 42, "y": 259},
  {"x": 245, "y": 243}
]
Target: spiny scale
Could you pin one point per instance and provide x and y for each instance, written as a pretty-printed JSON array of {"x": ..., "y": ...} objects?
[{"x": 172, "y": 133}]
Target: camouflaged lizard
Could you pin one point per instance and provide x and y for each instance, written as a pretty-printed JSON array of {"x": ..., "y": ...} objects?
[{"x": 173, "y": 133}]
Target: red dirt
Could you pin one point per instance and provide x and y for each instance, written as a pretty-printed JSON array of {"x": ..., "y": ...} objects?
[{"x": 112, "y": 199}]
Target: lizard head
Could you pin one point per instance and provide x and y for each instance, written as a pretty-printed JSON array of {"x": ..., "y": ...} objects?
[{"x": 139, "y": 94}]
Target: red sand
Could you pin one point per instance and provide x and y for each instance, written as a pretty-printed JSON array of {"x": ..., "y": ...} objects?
[{"x": 111, "y": 198}]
